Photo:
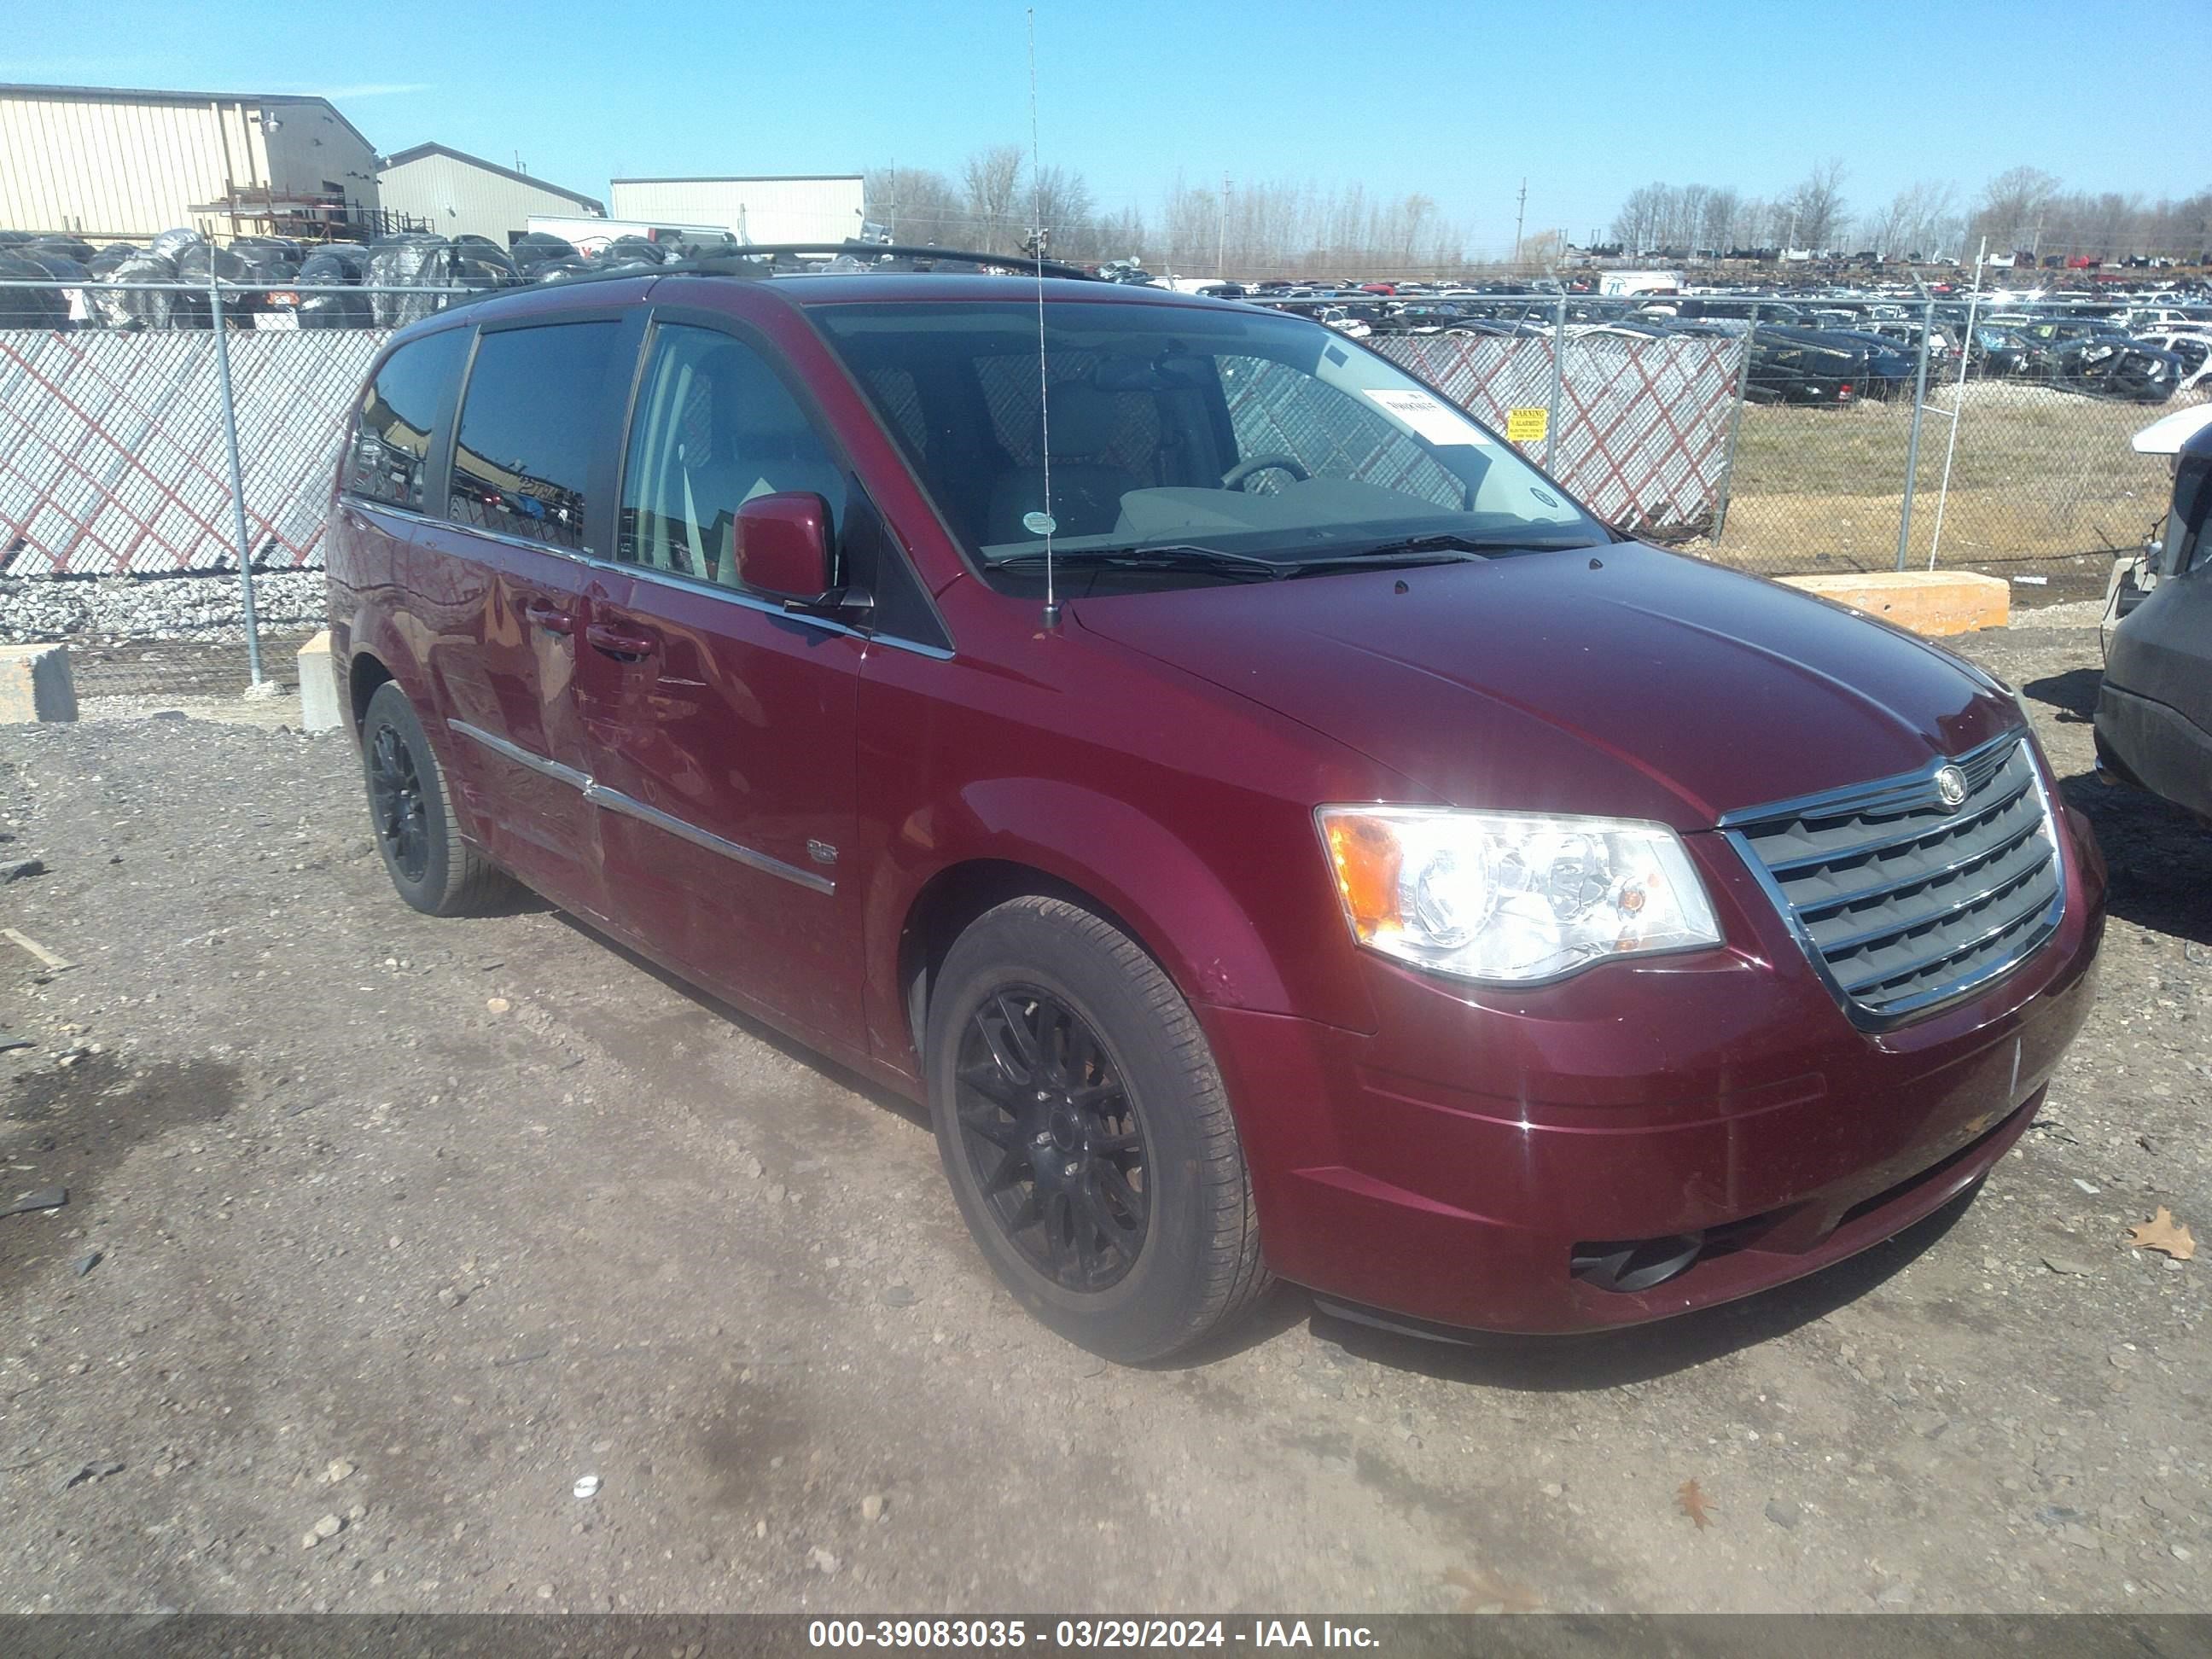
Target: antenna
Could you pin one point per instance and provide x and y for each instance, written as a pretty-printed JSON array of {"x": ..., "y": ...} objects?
[{"x": 1041, "y": 523}]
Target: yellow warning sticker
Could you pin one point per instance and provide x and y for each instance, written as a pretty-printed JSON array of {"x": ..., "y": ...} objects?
[{"x": 1528, "y": 426}]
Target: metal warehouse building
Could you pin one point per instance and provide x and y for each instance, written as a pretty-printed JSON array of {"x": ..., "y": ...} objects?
[
  {"x": 107, "y": 163},
  {"x": 807, "y": 208},
  {"x": 458, "y": 194}
]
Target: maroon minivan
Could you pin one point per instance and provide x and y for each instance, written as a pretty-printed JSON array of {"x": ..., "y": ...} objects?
[{"x": 1273, "y": 827}]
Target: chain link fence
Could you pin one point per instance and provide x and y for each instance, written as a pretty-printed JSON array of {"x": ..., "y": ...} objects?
[
  {"x": 194, "y": 431},
  {"x": 165, "y": 431}
]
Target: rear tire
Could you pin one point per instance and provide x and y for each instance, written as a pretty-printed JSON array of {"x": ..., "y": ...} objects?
[
  {"x": 411, "y": 814},
  {"x": 1087, "y": 1136}
]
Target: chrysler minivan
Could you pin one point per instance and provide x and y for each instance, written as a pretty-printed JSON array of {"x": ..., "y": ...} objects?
[{"x": 1278, "y": 831}]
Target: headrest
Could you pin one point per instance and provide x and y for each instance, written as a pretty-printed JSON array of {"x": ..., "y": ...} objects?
[
  {"x": 749, "y": 402},
  {"x": 1083, "y": 419}
]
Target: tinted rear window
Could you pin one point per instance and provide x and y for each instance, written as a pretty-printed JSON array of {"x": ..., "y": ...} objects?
[
  {"x": 391, "y": 442},
  {"x": 530, "y": 420}
]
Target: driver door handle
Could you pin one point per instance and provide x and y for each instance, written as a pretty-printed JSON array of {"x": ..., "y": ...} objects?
[
  {"x": 629, "y": 644},
  {"x": 550, "y": 616}
]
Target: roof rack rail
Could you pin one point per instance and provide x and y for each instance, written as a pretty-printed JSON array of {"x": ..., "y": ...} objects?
[
  {"x": 758, "y": 262},
  {"x": 871, "y": 253}
]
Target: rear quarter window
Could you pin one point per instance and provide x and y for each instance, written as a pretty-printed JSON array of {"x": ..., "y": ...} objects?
[{"x": 391, "y": 448}]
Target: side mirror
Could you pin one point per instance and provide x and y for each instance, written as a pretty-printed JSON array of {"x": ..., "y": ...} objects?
[{"x": 783, "y": 545}]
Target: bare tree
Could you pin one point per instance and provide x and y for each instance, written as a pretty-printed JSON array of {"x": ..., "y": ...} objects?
[
  {"x": 993, "y": 179},
  {"x": 1817, "y": 205},
  {"x": 1637, "y": 225},
  {"x": 1060, "y": 201},
  {"x": 1120, "y": 235},
  {"x": 1716, "y": 224},
  {"x": 2014, "y": 204},
  {"x": 916, "y": 204}
]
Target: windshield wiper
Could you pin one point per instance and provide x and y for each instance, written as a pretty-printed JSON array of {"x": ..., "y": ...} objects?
[
  {"x": 1453, "y": 541},
  {"x": 1393, "y": 557},
  {"x": 1167, "y": 556}
]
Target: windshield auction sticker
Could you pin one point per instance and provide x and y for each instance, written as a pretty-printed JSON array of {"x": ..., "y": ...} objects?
[{"x": 1437, "y": 422}]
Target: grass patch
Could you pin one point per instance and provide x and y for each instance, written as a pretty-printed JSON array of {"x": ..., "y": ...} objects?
[{"x": 2038, "y": 475}]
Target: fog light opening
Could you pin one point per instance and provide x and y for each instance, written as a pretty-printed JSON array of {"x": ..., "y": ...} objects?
[{"x": 1634, "y": 1264}]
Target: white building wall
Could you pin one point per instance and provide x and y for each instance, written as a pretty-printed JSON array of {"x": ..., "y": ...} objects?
[
  {"x": 115, "y": 168},
  {"x": 456, "y": 198},
  {"x": 810, "y": 210}
]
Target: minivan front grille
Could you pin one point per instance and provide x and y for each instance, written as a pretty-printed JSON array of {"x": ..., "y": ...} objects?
[{"x": 1902, "y": 901}]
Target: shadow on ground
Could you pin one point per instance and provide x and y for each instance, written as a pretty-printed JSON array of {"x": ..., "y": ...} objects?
[{"x": 67, "y": 1127}]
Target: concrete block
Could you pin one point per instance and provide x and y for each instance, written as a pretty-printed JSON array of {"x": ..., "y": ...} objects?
[
  {"x": 36, "y": 685},
  {"x": 321, "y": 709},
  {"x": 1931, "y": 602}
]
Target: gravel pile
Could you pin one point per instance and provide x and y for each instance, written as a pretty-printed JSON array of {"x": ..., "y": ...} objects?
[{"x": 36, "y": 609}]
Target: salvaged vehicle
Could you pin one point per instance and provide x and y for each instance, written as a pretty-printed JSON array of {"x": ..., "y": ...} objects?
[
  {"x": 2155, "y": 707},
  {"x": 2191, "y": 349},
  {"x": 2088, "y": 354},
  {"x": 1277, "y": 831},
  {"x": 1804, "y": 366}
]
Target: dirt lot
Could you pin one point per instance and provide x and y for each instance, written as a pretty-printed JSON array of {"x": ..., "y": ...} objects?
[{"x": 381, "y": 1232}]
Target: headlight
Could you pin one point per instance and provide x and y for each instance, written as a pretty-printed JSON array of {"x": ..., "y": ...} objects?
[{"x": 1511, "y": 897}]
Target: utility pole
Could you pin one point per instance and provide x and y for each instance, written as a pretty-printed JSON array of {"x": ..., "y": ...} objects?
[
  {"x": 1520, "y": 212},
  {"x": 1221, "y": 240}
]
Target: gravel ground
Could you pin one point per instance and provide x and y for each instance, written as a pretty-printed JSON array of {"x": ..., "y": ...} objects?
[
  {"x": 197, "y": 607},
  {"x": 383, "y": 1234}
]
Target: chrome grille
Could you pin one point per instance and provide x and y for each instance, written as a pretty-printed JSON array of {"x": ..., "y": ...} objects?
[{"x": 1902, "y": 902}]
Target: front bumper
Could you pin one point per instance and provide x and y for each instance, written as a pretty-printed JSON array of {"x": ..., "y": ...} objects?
[
  {"x": 2154, "y": 746},
  {"x": 1449, "y": 1166}
]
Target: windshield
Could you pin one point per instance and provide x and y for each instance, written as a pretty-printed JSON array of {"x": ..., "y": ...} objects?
[{"x": 1201, "y": 430}]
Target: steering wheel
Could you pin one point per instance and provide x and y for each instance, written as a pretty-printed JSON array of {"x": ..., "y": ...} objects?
[{"x": 1234, "y": 479}]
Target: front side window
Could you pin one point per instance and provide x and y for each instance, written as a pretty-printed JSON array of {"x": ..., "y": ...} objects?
[
  {"x": 390, "y": 447},
  {"x": 530, "y": 417},
  {"x": 714, "y": 428},
  {"x": 1238, "y": 432}
]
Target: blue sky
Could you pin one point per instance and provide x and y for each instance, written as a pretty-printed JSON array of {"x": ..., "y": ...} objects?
[{"x": 1458, "y": 101}]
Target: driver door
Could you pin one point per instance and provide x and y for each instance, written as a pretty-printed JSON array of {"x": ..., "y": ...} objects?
[{"x": 725, "y": 767}]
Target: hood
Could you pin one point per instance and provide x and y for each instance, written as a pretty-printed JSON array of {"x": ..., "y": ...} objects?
[{"x": 1618, "y": 680}]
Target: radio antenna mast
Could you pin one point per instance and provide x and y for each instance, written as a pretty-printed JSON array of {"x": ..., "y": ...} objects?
[{"x": 1041, "y": 523}]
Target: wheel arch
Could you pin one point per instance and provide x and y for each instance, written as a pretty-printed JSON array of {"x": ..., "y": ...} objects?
[
  {"x": 365, "y": 672},
  {"x": 953, "y": 899},
  {"x": 1035, "y": 836}
]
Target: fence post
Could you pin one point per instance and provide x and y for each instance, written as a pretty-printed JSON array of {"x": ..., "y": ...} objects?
[
  {"x": 1735, "y": 426},
  {"x": 1912, "y": 444},
  {"x": 1558, "y": 378},
  {"x": 237, "y": 476}
]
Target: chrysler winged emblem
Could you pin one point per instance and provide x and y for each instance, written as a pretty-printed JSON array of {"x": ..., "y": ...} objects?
[{"x": 1951, "y": 786}]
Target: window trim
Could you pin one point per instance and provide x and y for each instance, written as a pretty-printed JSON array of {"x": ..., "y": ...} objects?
[{"x": 756, "y": 340}]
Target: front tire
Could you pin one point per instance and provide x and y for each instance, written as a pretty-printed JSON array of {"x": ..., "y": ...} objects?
[
  {"x": 1086, "y": 1133},
  {"x": 411, "y": 812}
]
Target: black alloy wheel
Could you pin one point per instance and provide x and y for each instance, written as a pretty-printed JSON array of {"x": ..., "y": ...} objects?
[
  {"x": 396, "y": 804},
  {"x": 1054, "y": 1139},
  {"x": 432, "y": 863},
  {"x": 1086, "y": 1133}
]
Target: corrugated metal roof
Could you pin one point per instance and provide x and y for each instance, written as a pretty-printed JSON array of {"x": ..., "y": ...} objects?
[
  {"x": 401, "y": 158},
  {"x": 145, "y": 95}
]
